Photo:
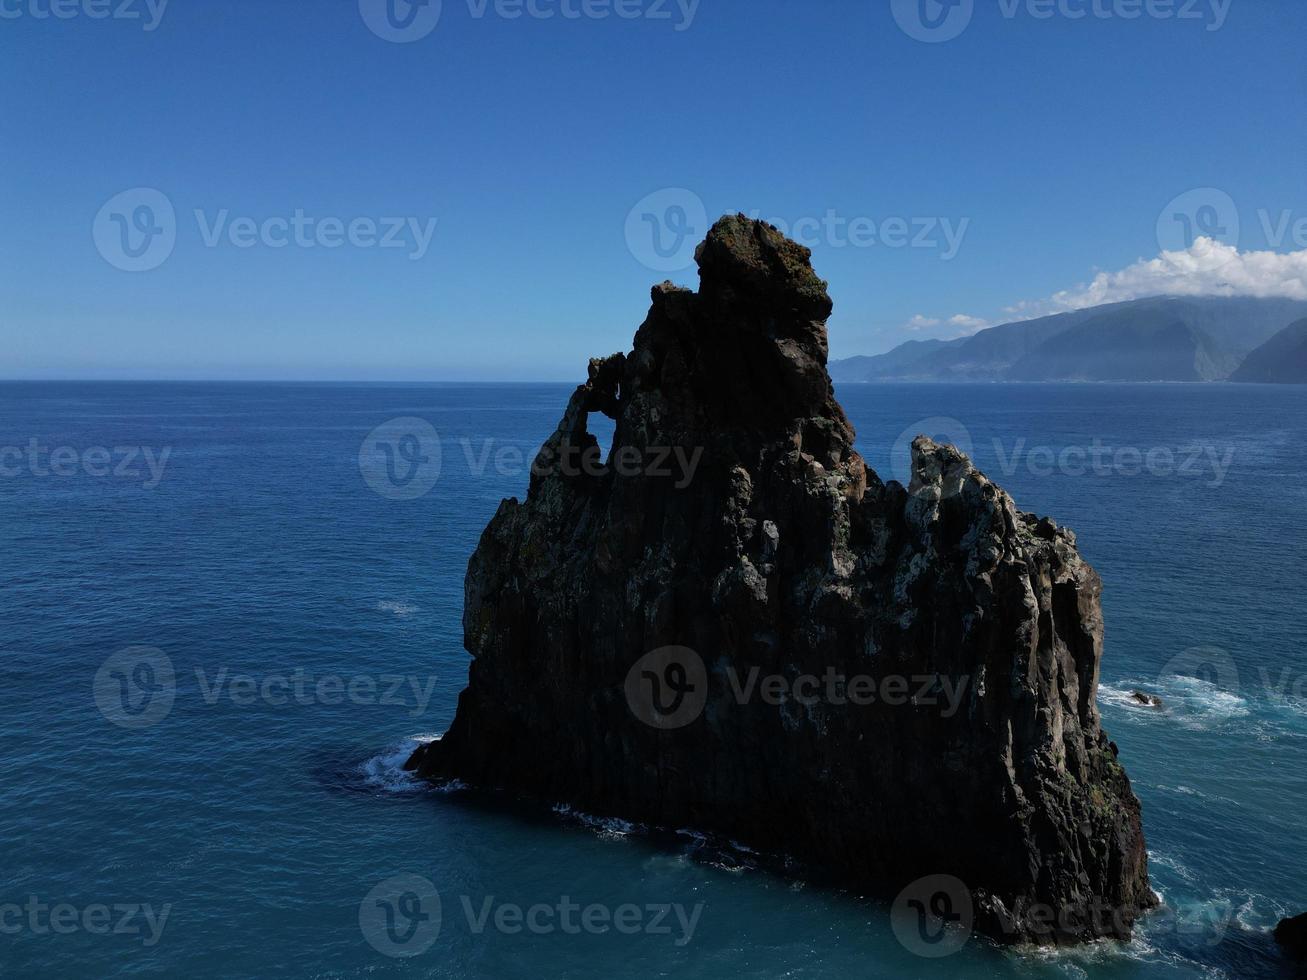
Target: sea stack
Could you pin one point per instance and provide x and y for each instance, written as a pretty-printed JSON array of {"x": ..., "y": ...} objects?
[{"x": 617, "y": 616}]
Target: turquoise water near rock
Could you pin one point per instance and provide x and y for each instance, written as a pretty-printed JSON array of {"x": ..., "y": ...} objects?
[{"x": 313, "y": 629}]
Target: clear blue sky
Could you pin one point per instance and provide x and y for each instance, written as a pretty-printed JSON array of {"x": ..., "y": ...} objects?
[{"x": 529, "y": 140}]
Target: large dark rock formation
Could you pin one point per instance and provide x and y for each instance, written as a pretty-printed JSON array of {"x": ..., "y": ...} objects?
[
  {"x": 780, "y": 550},
  {"x": 1291, "y": 934}
]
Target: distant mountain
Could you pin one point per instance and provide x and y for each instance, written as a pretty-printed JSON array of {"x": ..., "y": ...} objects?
[
  {"x": 1282, "y": 359},
  {"x": 1156, "y": 339},
  {"x": 900, "y": 357},
  {"x": 1120, "y": 346}
]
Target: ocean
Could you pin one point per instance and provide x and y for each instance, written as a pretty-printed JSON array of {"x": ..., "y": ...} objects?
[{"x": 223, "y": 635}]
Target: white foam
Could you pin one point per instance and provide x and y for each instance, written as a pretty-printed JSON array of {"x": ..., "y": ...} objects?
[
  {"x": 386, "y": 771},
  {"x": 1123, "y": 697},
  {"x": 1253, "y": 911},
  {"x": 1183, "y": 790},
  {"x": 609, "y": 828},
  {"x": 1171, "y": 864},
  {"x": 1188, "y": 701},
  {"x": 1076, "y": 959},
  {"x": 1202, "y": 704},
  {"x": 1089, "y": 959},
  {"x": 400, "y": 609}
]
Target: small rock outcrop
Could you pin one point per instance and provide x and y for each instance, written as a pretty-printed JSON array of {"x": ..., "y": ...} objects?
[
  {"x": 729, "y": 622},
  {"x": 1145, "y": 700}
]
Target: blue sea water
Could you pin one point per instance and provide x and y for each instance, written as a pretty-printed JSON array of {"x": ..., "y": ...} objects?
[{"x": 253, "y": 819}]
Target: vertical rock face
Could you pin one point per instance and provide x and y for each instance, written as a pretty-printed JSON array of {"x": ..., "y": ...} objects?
[{"x": 616, "y": 618}]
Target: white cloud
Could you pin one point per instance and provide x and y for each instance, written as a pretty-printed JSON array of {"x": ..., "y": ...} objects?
[
  {"x": 965, "y": 324},
  {"x": 1207, "y": 268},
  {"x": 968, "y": 324},
  {"x": 919, "y": 322}
]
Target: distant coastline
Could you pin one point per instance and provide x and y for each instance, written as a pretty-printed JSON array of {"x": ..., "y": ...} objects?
[{"x": 1160, "y": 339}]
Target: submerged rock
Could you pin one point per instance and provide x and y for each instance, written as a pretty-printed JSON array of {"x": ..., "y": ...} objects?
[
  {"x": 1145, "y": 700},
  {"x": 733, "y": 624}
]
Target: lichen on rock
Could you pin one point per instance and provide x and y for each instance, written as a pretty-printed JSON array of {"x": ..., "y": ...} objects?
[{"x": 733, "y": 532}]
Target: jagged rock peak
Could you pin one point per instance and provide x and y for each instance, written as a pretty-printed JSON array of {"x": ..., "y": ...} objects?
[
  {"x": 615, "y": 616},
  {"x": 751, "y": 263}
]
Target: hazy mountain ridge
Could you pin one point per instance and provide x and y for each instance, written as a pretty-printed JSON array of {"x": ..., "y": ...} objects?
[
  {"x": 1282, "y": 359},
  {"x": 1155, "y": 339}
]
